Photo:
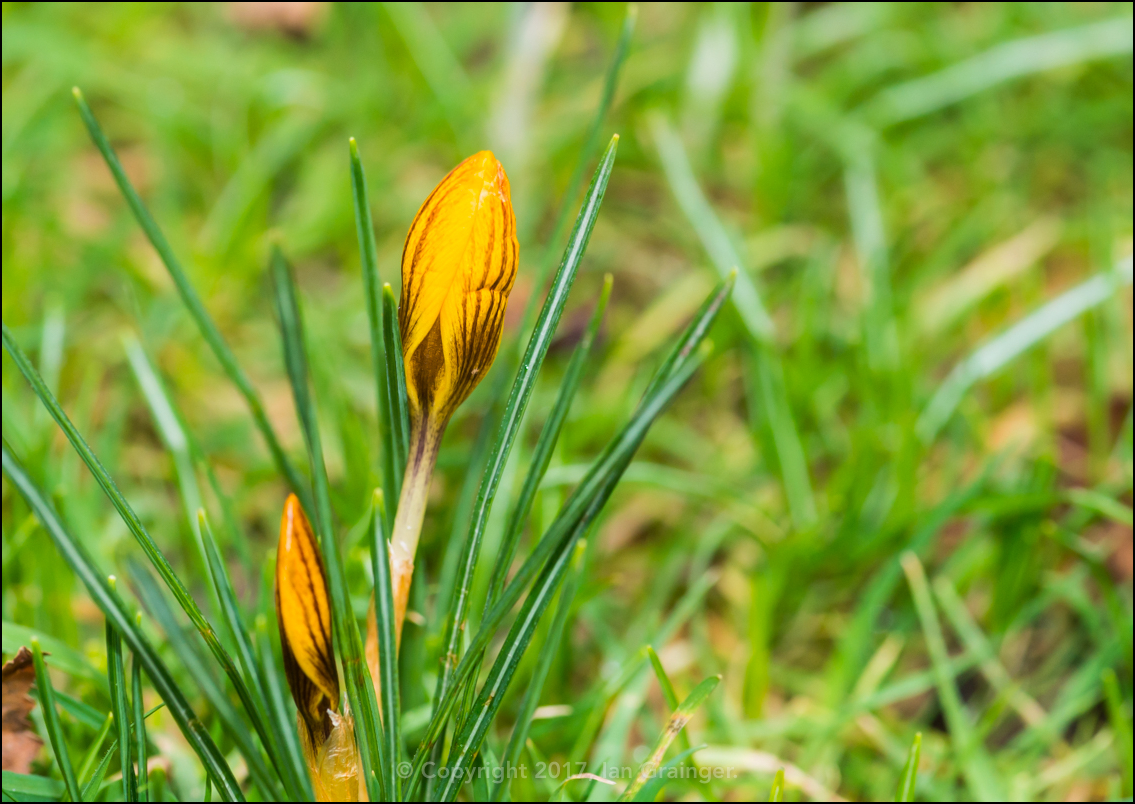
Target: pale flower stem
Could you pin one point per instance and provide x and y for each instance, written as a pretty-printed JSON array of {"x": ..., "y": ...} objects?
[{"x": 424, "y": 440}]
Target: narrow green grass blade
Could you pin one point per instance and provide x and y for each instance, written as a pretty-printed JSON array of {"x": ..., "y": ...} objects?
[
  {"x": 771, "y": 396},
  {"x": 712, "y": 233},
  {"x": 91, "y": 788},
  {"x": 548, "y": 651},
  {"x": 155, "y": 604},
  {"x": 777, "y": 792},
  {"x": 54, "y": 727},
  {"x": 865, "y": 213},
  {"x": 996, "y": 353},
  {"x": 169, "y": 427},
  {"x": 35, "y": 788},
  {"x": 979, "y": 773},
  {"x": 284, "y": 720},
  {"x": 83, "y": 713},
  {"x": 134, "y": 524},
  {"x": 360, "y": 691},
  {"x": 116, "y": 674},
  {"x": 372, "y": 288},
  {"x": 396, "y": 401},
  {"x": 82, "y": 565},
  {"x": 716, "y": 240},
  {"x": 1120, "y": 727},
  {"x": 590, "y": 144},
  {"x": 909, "y": 778},
  {"x": 677, "y": 723},
  {"x": 518, "y": 399},
  {"x": 555, "y": 549},
  {"x": 140, "y": 749},
  {"x": 387, "y": 650},
  {"x": 653, "y": 786},
  {"x": 87, "y": 766},
  {"x": 545, "y": 444},
  {"x": 439, "y": 66},
  {"x": 1002, "y": 63},
  {"x": 668, "y": 693},
  {"x": 192, "y": 301},
  {"x": 1102, "y": 504},
  {"x": 977, "y": 644}
]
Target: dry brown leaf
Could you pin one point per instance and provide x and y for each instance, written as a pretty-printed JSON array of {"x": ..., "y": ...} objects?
[{"x": 21, "y": 743}]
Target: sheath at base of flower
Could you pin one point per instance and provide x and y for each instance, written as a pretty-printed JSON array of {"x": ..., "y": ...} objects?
[
  {"x": 458, "y": 266},
  {"x": 303, "y": 611}
]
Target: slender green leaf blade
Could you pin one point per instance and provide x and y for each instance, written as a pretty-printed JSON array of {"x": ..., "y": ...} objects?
[
  {"x": 116, "y": 674},
  {"x": 191, "y": 300},
  {"x": 677, "y": 723},
  {"x": 36, "y": 788},
  {"x": 777, "y": 792},
  {"x": 372, "y": 288},
  {"x": 86, "y": 767},
  {"x": 51, "y": 721},
  {"x": 668, "y": 693},
  {"x": 909, "y": 778},
  {"x": 548, "y": 651},
  {"x": 1120, "y": 727},
  {"x": 514, "y": 411},
  {"x": 1000, "y": 350},
  {"x": 360, "y": 691},
  {"x": 715, "y": 238},
  {"x": 396, "y": 400},
  {"x": 545, "y": 444},
  {"x": 976, "y": 766},
  {"x": 387, "y": 649},
  {"x": 141, "y": 751},
  {"x": 1004, "y": 62}
]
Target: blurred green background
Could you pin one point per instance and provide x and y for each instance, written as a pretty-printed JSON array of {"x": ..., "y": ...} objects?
[{"x": 898, "y": 184}]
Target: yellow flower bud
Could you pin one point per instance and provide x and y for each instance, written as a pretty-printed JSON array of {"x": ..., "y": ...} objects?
[
  {"x": 458, "y": 266},
  {"x": 303, "y": 610},
  {"x": 304, "y": 614}
]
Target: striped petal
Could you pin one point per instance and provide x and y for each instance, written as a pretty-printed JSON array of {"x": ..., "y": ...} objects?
[
  {"x": 304, "y": 614},
  {"x": 458, "y": 266}
]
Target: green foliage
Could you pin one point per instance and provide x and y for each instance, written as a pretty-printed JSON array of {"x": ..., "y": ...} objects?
[{"x": 893, "y": 499}]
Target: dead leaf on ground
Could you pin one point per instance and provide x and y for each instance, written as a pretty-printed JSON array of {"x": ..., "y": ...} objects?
[{"x": 21, "y": 743}]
